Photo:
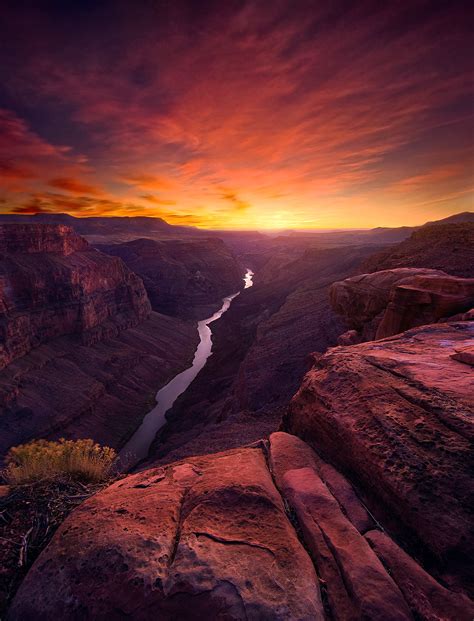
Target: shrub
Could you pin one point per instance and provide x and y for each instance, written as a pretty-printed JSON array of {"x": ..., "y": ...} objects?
[{"x": 81, "y": 460}]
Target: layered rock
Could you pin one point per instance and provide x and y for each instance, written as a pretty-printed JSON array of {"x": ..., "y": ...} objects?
[
  {"x": 391, "y": 301},
  {"x": 82, "y": 354},
  {"x": 396, "y": 415},
  {"x": 53, "y": 283},
  {"x": 264, "y": 532},
  {"x": 65, "y": 388},
  {"x": 447, "y": 246},
  {"x": 183, "y": 277}
]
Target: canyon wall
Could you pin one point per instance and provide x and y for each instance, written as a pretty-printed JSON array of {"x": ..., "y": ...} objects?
[
  {"x": 53, "y": 283},
  {"x": 184, "y": 278},
  {"x": 391, "y": 301},
  {"x": 448, "y": 247},
  {"x": 82, "y": 353}
]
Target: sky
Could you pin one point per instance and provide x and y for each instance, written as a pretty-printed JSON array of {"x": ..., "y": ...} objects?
[{"x": 238, "y": 114}]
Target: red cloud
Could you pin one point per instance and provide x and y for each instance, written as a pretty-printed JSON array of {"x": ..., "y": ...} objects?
[{"x": 317, "y": 113}]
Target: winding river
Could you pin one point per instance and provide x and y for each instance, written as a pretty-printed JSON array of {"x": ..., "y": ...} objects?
[{"x": 139, "y": 444}]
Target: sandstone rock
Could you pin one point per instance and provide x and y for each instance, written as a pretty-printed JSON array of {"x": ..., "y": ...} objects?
[
  {"x": 52, "y": 283},
  {"x": 426, "y": 597},
  {"x": 357, "y": 585},
  {"x": 466, "y": 355},
  {"x": 391, "y": 301},
  {"x": 290, "y": 452},
  {"x": 203, "y": 539},
  {"x": 65, "y": 388},
  {"x": 396, "y": 415},
  {"x": 423, "y": 300},
  {"x": 351, "y": 337},
  {"x": 39, "y": 238}
]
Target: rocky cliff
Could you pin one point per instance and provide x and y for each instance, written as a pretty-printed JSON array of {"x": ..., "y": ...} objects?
[
  {"x": 183, "y": 277},
  {"x": 396, "y": 415},
  {"x": 392, "y": 301},
  {"x": 265, "y": 532},
  {"x": 53, "y": 283},
  {"x": 82, "y": 353}
]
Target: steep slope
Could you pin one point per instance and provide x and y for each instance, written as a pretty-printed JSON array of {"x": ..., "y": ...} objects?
[
  {"x": 183, "y": 277},
  {"x": 448, "y": 247},
  {"x": 260, "y": 354},
  {"x": 53, "y": 283},
  {"x": 82, "y": 354}
]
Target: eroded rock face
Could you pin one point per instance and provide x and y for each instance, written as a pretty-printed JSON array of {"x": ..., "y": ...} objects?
[
  {"x": 424, "y": 300},
  {"x": 214, "y": 537},
  {"x": 183, "y": 277},
  {"x": 397, "y": 415},
  {"x": 65, "y": 388},
  {"x": 81, "y": 352},
  {"x": 52, "y": 283},
  {"x": 392, "y": 301},
  {"x": 203, "y": 539}
]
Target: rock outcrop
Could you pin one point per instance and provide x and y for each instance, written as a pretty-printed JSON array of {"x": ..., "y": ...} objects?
[
  {"x": 264, "y": 532},
  {"x": 391, "y": 301},
  {"x": 396, "y": 416},
  {"x": 53, "y": 283},
  {"x": 184, "y": 278}
]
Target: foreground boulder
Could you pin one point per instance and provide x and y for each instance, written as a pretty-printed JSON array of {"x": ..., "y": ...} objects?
[
  {"x": 397, "y": 416},
  {"x": 270, "y": 531},
  {"x": 205, "y": 539},
  {"x": 391, "y": 301}
]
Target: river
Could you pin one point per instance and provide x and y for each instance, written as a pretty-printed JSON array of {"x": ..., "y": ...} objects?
[{"x": 139, "y": 444}]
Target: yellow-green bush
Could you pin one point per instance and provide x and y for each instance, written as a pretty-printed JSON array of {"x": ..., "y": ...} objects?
[{"x": 77, "y": 459}]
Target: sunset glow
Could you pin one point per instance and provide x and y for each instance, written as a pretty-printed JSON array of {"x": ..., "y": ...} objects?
[{"x": 241, "y": 115}]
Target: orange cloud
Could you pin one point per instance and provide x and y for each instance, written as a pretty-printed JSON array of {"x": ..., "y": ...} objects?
[
  {"x": 257, "y": 115},
  {"x": 75, "y": 186},
  {"x": 157, "y": 201}
]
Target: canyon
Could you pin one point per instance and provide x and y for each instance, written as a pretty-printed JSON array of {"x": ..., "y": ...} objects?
[{"x": 319, "y": 464}]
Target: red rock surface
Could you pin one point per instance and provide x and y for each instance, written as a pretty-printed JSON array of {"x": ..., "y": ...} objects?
[
  {"x": 392, "y": 301},
  {"x": 65, "y": 388},
  {"x": 426, "y": 597},
  {"x": 396, "y": 415},
  {"x": 423, "y": 300},
  {"x": 203, "y": 539},
  {"x": 264, "y": 532},
  {"x": 52, "y": 283},
  {"x": 39, "y": 238}
]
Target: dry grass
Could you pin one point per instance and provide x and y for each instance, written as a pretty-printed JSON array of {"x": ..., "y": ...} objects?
[{"x": 41, "y": 460}]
